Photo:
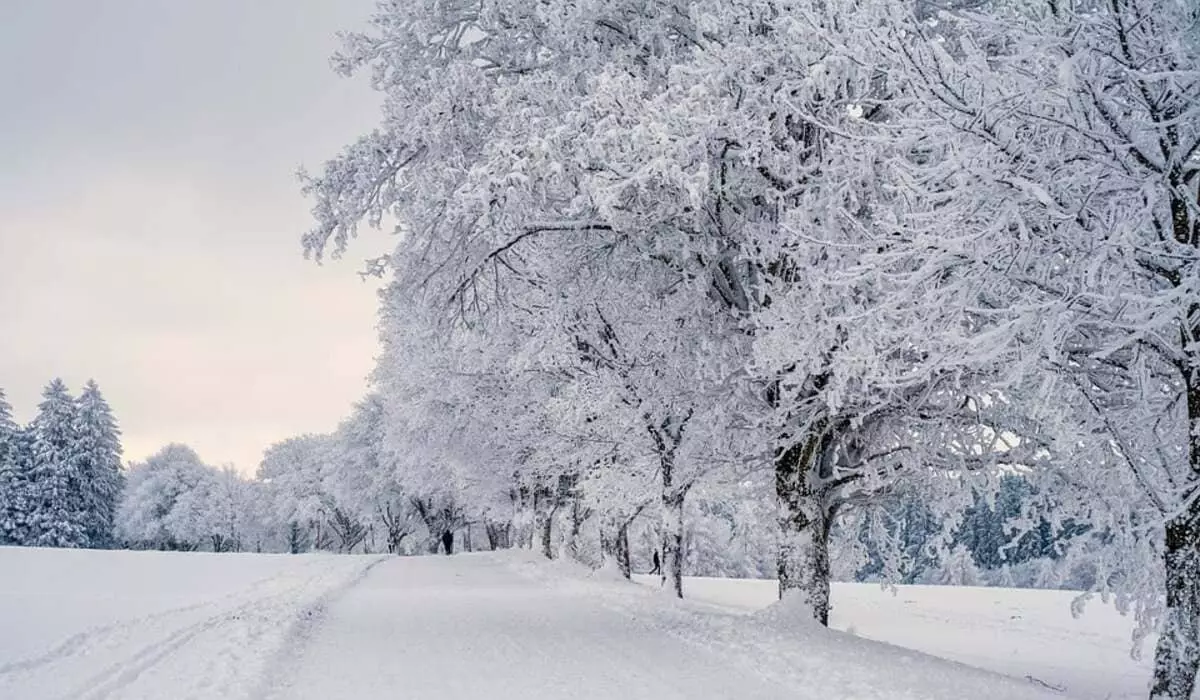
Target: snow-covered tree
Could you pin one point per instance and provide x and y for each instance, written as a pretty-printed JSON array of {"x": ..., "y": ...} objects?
[
  {"x": 58, "y": 515},
  {"x": 99, "y": 450},
  {"x": 872, "y": 247},
  {"x": 171, "y": 502},
  {"x": 293, "y": 476},
  {"x": 630, "y": 174},
  {"x": 14, "y": 483},
  {"x": 1074, "y": 175}
]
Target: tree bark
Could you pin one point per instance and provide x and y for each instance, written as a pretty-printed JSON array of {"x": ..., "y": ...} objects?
[
  {"x": 623, "y": 558},
  {"x": 579, "y": 515},
  {"x": 547, "y": 529},
  {"x": 614, "y": 543},
  {"x": 295, "y": 537},
  {"x": 672, "y": 541},
  {"x": 804, "y": 522},
  {"x": 667, "y": 438},
  {"x": 498, "y": 535},
  {"x": 1177, "y": 656}
]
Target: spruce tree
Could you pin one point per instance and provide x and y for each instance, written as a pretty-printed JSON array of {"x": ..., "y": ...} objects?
[
  {"x": 57, "y": 517},
  {"x": 99, "y": 452},
  {"x": 13, "y": 486}
]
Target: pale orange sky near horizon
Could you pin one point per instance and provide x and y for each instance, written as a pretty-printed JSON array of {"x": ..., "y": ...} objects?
[{"x": 151, "y": 217}]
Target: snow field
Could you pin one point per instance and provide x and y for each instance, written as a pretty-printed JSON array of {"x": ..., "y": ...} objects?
[
  {"x": 153, "y": 625},
  {"x": 1026, "y": 634},
  {"x": 142, "y": 625}
]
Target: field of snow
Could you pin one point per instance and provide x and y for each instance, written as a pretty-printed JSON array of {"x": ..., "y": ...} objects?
[
  {"x": 85, "y": 624},
  {"x": 154, "y": 625},
  {"x": 1020, "y": 633}
]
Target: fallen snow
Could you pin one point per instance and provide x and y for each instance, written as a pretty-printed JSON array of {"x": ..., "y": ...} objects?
[
  {"x": 79, "y": 624},
  {"x": 153, "y": 625},
  {"x": 1021, "y": 633}
]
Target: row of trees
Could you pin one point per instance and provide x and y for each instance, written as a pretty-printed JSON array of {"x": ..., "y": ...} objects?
[
  {"x": 60, "y": 476},
  {"x": 341, "y": 492},
  {"x": 174, "y": 501},
  {"x": 803, "y": 256}
]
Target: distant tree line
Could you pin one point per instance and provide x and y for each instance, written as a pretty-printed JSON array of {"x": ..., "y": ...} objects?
[
  {"x": 62, "y": 485},
  {"x": 60, "y": 476}
]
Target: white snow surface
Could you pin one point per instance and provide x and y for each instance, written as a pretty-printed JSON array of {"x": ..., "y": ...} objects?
[
  {"x": 154, "y": 625},
  {"x": 1018, "y": 632},
  {"x": 88, "y": 624}
]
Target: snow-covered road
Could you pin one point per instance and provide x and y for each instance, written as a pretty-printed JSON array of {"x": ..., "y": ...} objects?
[{"x": 470, "y": 628}]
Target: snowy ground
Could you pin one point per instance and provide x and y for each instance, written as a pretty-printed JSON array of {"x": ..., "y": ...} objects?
[
  {"x": 1015, "y": 632},
  {"x": 152, "y": 625}
]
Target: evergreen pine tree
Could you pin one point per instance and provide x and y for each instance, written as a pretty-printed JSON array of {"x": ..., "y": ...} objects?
[
  {"x": 99, "y": 451},
  {"x": 13, "y": 486},
  {"x": 58, "y": 514}
]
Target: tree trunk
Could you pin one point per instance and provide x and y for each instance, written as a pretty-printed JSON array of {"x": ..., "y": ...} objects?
[
  {"x": 672, "y": 541},
  {"x": 1177, "y": 656},
  {"x": 395, "y": 539},
  {"x": 667, "y": 437},
  {"x": 614, "y": 543},
  {"x": 623, "y": 559},
  {"x": 578, "y": 516},
  {"x": 498, "y": 535},
  {"x": 803, "y": 565},
  {"x": 526, "y": 517},
  {"x": 547, "y": 531},
  {"x": 295, "y": 537}
]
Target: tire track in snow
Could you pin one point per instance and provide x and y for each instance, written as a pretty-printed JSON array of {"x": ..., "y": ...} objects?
[
  {"x": 81, "y": 642},
  {"x": 215, "y": 648},
  {"x": 304, "y": 628}
]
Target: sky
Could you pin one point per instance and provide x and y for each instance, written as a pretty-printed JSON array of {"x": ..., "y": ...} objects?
[{"x": 150, "y": 217}]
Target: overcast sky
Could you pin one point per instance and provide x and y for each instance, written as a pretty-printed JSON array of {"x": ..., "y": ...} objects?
[{"x": 150, "y": 217}]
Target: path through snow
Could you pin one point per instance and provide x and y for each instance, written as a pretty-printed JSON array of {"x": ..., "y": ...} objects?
[
  {"x": 491, "y": 626},
  {"x": 469, "y": 628},
  {"x": 495, "y": 627}
]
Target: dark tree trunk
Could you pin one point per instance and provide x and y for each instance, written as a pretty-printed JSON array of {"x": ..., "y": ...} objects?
[
  {"x": 579, "y": 516},
  {"x": 667, "y": 437},
  {"x": 498, "y": 535},
  {"x": 1177, "y": 656},
  {"x": 526, "y": 516},
  {"x": 395, "y": 540},
  {"x": 672, "y": 541},
  {"x": 547, "y": 528},
  {"x": 623, "y": 559},
  {"x": 804, "y": 522},
  {"x": 614, "y": 543},
  {"x": 295, "y": 538}
]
